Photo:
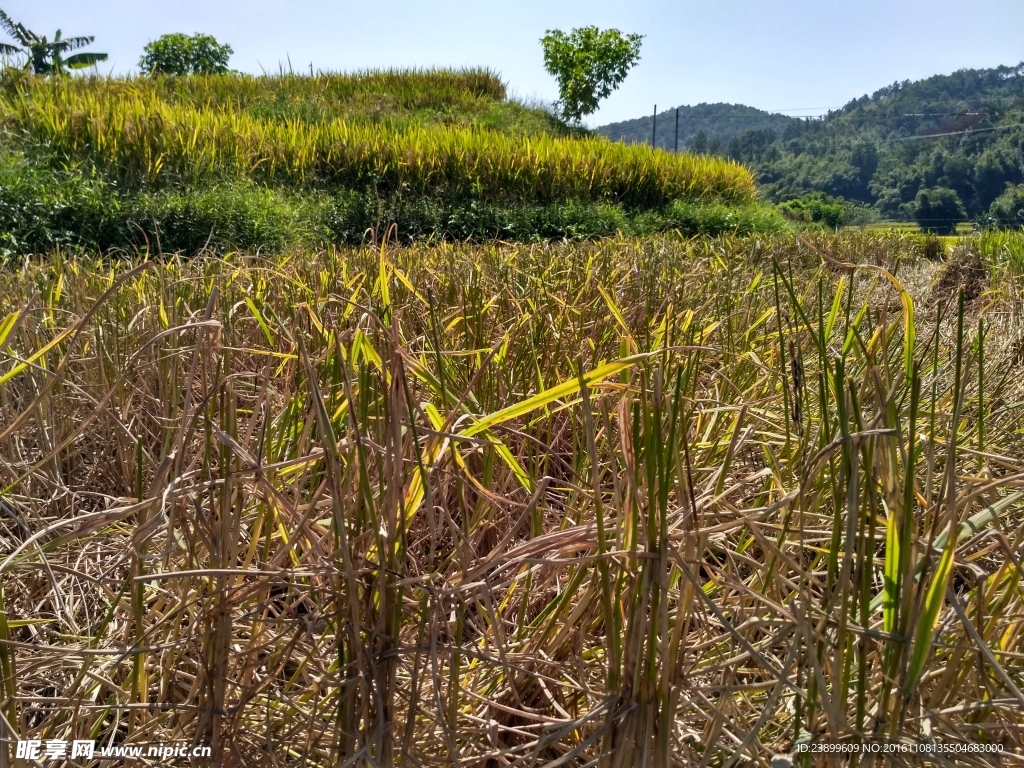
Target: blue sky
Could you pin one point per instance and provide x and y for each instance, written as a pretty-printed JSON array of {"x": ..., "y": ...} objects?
[{"x": 803, "y": 56}]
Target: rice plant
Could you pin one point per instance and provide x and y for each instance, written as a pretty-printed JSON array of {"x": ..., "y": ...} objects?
[
  {"x": 333, "y": 93},
  {"x": 623, "y": 503},
  {"x": 129, "y": 131}
]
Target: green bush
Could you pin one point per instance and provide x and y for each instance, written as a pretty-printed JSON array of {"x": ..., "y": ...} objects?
[
  {"x": 231, "y": 217},
  {"x": 351, "y": 216},
  {"x": 717, "y": 219},
  {"x": 42, "y": 211},
  {"x": 828, "y": 212},
  {"x": 938, "y": 210},
  {"x": 1008, "y": 209}
]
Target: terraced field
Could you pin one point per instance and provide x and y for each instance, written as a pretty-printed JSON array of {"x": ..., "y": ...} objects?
[{"x": 273, "y": 163}]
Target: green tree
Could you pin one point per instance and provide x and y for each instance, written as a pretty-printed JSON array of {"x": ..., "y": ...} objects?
[
  {"x": 938, "y": 210},
  {"x": 589, "y": 63},
  {"x": 699, "y": 145},
  {"x": 178, "y": 54},
  {"x": 44, "y": 56},
  {"x": 1008, "y": 209},
  {"x": 865, "y": 159},
  {"x": 994, "y": 169}
]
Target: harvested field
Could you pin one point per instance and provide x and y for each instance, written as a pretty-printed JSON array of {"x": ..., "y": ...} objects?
[{"x": 622, "y": 503}]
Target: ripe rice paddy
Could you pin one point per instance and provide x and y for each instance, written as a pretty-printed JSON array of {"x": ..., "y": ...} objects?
[{"x": 142, "y": 134}]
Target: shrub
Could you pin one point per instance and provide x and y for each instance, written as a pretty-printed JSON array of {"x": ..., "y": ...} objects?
[
  {"x": 939, "y": 210},
  {"x": 717, "y": 219},
  {"x": 231, "y": 217},
  {"x": 828, "y": 212},
  {"x": 1008, "y": 209},
  {"x": 40, "y": 211},
  {"x": 351, "y": 215}
]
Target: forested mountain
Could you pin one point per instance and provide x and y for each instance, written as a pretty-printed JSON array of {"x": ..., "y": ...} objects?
[
  {"x": 702, "y": 128},
  {"x": 949, "y": 147}
]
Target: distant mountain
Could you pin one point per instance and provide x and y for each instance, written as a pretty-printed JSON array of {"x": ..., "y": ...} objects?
[
  {"x": 719, "y": 123},
  {"x": 890, "y": 150}
]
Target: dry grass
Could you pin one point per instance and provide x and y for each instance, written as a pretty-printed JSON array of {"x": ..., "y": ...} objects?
[{"x": 623, "y": 503}]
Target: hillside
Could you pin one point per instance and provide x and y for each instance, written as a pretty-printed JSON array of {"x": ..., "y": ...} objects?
[
  {"x": 705, "y": 128},
  {"x": 891, "y": 149},
  {"x": 269, "y": 162}
]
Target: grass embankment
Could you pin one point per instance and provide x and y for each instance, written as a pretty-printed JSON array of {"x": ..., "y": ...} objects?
[
  {"x": 630, "y": 503},
  {"x": 103, "y": 163}
]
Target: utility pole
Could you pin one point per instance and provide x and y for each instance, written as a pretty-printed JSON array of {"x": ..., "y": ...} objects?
[
  {"x": 677, "y": 132},
  {"x": 654, "y": 128}
]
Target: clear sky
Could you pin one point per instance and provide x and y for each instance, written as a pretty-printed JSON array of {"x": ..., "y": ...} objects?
[{"x": 802, "y": 56}]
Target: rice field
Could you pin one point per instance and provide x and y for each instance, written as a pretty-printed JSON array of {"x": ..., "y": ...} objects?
[
  {"x": 620, "y": 503},
  {"x": 373, "y": 96},
  {"x": 290, "y": 95},
  {"x": 134, "y": 133}
]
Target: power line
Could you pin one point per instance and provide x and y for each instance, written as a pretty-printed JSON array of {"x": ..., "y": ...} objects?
[
  {"x": 861, "y": 141},
  {"x": 775, "y": 114},
  {"x": 954, "y": 133},
  {"x": 640, "y": 122},
  {"x": 801, "y": 109},
  {"x": 898, "y": 139}
]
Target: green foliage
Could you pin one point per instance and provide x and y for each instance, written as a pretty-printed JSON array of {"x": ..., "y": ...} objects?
[
  {"x": 938, "y": 210},
  {"x": 179, "y": 54},
  {"x": 512, "y": 117},
  {"x": 1004, "y": 251},
  {"x": 72, "y": 209},
  {"x": 43, "y": 56},
  {"x": 355, "y": 216},
  {"x": 711, "y": 219},
  {"x": 960, "y": 131},
  {"x": 41, "y": 211},
  {"x": 1008, "y": 209},
  {"x": 231, "y": 217},
  {"x": 589, "y": 64},
  {"x": 699, "y": 143},
  {"x": 815, "y": 210}
]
